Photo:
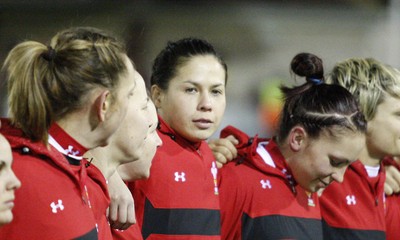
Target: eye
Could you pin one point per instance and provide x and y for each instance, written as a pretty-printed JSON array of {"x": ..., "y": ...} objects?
[
  {"x": 337, "y": 163},
  {"x": 190, "y": 90},
  {"x": 146, "y": 105},
  {"x": 217, "y": 92},
  {"x": 2, "y": 165}
]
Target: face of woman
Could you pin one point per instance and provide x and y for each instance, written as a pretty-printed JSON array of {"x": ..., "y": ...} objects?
[
  {"x": 323, "y": 160},
  {"x": 122, "y": 99},
  {"x": 383, "y": 135},
  {"x": 194, "y": 103},
  {"x": 141, "y": 169},
  {"x": 137, "y": 134},
  {"x": 8, "y": 182}
]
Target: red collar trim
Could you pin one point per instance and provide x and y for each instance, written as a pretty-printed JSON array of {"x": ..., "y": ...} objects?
[
  {"x": 164, "y": 128},
  {"x": 69, "y": 145}
]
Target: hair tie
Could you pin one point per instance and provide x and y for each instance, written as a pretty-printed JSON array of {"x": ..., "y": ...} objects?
[
  {"x": 316, "y": 81},
  {"x": 50, "y": 54}
]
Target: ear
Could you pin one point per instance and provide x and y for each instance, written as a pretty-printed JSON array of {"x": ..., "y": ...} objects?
[
  {"x": 103, "y": 104},
  {"x": 297, "y": 138},
  {"x": 156, "y": 95}
]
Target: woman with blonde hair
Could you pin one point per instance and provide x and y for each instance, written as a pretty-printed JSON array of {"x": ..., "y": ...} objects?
[
  {"x": 8, "y": 183},
  {"x": 356, "y": 208},
  {"x": 64, "y": 99}
]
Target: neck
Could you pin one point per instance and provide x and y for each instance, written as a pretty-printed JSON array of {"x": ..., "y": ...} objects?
[
  {"x": 78, "y": 127},
  {"x": 286, "y": 153},
  {"x": 101, "y": 159},
  {"x": 368, "y": 158}
]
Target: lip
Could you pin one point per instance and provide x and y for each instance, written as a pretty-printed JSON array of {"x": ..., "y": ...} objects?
[
  {"x": 203, "y": 123},
  {"x": 9, "y": 203},
  {"x": 324, "y": 184}
]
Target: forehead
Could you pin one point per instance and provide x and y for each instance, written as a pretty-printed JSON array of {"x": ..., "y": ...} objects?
[
  {"x": 5, "y": 150},
  {"x": 201, "y": 65},
  {"x": 389, "y": 104},
  {"x": 127, "y": 79},
  {"x": 346, "y": 145}
]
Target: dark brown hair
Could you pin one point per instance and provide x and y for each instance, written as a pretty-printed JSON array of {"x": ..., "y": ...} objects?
[{"x": 315, "y": 105}]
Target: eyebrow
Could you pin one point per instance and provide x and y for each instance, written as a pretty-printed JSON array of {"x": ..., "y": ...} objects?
[{"x": 197, "y": 84}]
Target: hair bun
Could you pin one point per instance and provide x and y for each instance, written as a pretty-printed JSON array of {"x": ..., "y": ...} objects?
[{"x": 309, "y": 66}]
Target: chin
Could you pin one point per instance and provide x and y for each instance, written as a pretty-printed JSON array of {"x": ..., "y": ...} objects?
[
  {"x": 143, "y": 175},
  {"x": 309, "y": 188},
  {"x": 146, "y": 175},
  {"x": 104, "y": 142},
  {"x": 202, "y": 136},
  {"x": 5, "y": 218}
]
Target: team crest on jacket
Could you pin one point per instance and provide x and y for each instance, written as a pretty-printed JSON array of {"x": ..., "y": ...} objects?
[
  {"x": 310, "y": 199},
  {"x": 70, "y": 151},
  {"x": 214, "y": 172}
]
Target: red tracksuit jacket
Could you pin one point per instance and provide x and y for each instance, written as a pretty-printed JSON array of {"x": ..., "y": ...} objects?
[
  {"x": 180, "y": 199},
  {"x": 132, "y": 233},
  {"x": 260, "y": 199},
  {"x": 392, "y": 209},
  {"x": 99, "y": 200},
  {"x": 52, "y": 202},
  {"x": 355, "y": 208}
]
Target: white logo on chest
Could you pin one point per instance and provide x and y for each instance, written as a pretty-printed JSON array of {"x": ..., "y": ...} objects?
[
  {"x": 351, "y": 200},
  {"x": 265, "y": 184},
  {"x": 180, "y": 177},
  {"x": 55, "y": 207}
]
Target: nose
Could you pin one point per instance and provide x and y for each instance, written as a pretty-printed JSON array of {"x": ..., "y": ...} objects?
[
  {"x": 158, "y": 140},
  {"x": 205, "y": 103},
  {"x": 338, "y": 174},
  {"x": 14, "y": 182}
]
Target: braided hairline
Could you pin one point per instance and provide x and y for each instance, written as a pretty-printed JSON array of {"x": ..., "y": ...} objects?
[{"x": 324, "y": 120}]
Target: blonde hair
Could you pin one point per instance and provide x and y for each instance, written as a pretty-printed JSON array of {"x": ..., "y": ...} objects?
[
  {"x": 47, "y": 82},
  {"x": 368, "y": 80}
]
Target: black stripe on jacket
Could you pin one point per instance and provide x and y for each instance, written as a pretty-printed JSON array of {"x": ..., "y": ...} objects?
[
  {"x": 92, "y": 235},
  {"x": 280, "y": 227},
  {"x": 331, "y": 233},
  {"x": 205, "y": 222}
]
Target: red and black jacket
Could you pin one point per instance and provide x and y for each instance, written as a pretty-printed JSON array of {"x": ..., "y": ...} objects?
[
  {"x": 355, "y": 208},
  {"x": 392, "y": 208},
  {"x": 260, "y": 199},
  {"x": 180, "y": 199},
  {"x": 52, "y": 202}
]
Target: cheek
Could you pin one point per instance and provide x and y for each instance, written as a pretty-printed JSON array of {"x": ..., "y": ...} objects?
[
  {"x": 220, "y": 112},
  {"x": 140, "y": 135},
  {"x": 314, "y": 164},
  {"x": 122, "y": 104},
  {"x": 220, "y": 104}
]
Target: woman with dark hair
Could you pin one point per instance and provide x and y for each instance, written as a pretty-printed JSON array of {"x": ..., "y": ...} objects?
[
  {"x": 269, "y": 190},
  {"x": 180, "y": 198}
]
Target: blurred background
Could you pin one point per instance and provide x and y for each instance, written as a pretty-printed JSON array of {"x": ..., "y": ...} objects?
[{"x": 257, "y": 38}]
